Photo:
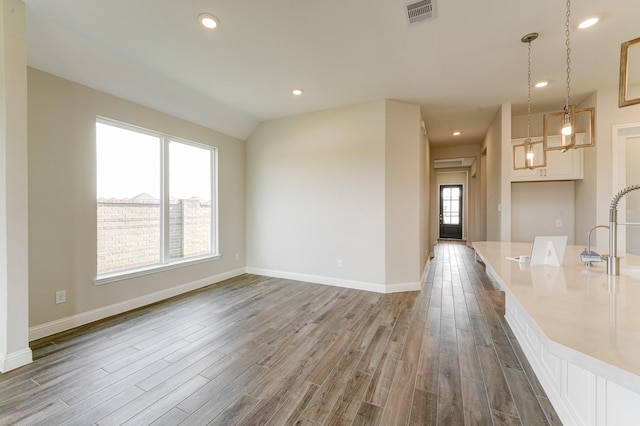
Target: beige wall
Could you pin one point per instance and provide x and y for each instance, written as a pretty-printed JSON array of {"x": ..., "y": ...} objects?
[
  {"x": 62, "y": 204},
  {"x": 585, "y": 189},
  {"x": 403, "y": 175},
  {"x": 536, "y": 206},
  {"x": 337, "y": 187},
  {"x": 315, "y": 195},
  {"x": 426, "y": 238},
  {"x": 498, "y": 198},
  {"x": 14, "y": 343}
]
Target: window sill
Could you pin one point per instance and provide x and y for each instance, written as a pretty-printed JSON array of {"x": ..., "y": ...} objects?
[{"x": 147, "y": 270}]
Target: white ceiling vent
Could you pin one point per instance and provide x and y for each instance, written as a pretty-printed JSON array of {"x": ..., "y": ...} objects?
[{"x": 421, "y": 11}]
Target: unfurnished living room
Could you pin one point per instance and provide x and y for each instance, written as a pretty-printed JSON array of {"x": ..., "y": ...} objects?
[{"x": 319, "y": 213}]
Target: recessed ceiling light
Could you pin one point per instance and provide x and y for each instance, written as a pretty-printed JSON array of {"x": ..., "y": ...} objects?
[
  {"x": 457, "y": 133},
  {"x": 297, "y": 92},
  {"x": 208, "y": 20},
  {"x": 541, "y": 84},
  {"x": 589, "y": 22}
]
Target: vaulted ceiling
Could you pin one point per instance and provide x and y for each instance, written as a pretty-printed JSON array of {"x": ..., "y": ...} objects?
[{"x": 459, "y": 66}]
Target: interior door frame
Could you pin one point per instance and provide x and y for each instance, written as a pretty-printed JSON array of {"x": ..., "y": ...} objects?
[
  {"x": 620, "y": 134},
  {"x": 462, "y": 207},
  {"x": 440, "y": 178}
]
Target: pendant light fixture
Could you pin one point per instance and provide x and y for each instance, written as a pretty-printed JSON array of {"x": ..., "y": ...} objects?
[
  {"x": 571, "y": 128},
  {"x": 529, "y": 155}
]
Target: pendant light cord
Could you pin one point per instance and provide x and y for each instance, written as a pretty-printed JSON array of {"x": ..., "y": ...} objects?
[
  {"x": 568, "y": 43},
  {"x": 529, "y": 92}
]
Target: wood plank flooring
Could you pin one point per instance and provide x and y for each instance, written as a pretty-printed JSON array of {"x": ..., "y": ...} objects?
[{"x": 255, "y": 350}]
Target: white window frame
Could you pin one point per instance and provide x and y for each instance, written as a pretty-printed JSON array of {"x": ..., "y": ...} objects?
[{"x": 166, "y": 263}]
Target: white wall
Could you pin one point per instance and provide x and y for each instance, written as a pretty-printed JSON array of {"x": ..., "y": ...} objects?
[
  {"x": 326, "y": 189},
  {"x": 62, "y": 206}
]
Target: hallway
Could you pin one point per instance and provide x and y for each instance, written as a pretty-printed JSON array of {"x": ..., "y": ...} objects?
[{"x": 257, "y": 350}]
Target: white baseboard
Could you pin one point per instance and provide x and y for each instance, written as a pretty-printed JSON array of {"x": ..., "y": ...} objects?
[
  {"x": 53, "y": 327},
  {"x": 68, "y": 323},
  {"x": 14, "y": 360},
  {"x": 337, "y": 282},
  {"x": 424, "y": 270}
]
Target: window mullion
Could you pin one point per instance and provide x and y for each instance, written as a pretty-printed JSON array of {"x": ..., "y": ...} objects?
[
  {"x": 214, "y": 202},
  {"x": 164, "y": 201}
]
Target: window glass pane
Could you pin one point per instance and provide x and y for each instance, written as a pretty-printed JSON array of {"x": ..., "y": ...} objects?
[
  {"x": 189, "y": 200},
  {"x": 128, "y": 192}
]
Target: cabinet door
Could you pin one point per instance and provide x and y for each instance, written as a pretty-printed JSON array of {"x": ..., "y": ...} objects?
[
  {"x": 527, "y": 175},
  {"x": 564, "y": 165}
]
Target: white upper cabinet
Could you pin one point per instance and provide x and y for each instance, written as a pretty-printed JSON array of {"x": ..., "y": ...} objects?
[{"x": 560, "y": 165}]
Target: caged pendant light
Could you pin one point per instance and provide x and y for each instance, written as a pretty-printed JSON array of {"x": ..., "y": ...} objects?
[
  {"x": 529, "y": 155},
  {"x": 572, "y": 127}
]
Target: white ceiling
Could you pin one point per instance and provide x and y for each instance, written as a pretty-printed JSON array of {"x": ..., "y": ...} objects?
[{"x": 459, "y": 67}]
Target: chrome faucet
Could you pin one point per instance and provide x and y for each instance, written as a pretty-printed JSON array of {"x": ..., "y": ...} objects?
[
  {"x": 613, "y": 261},
  {"x": 587, "y": 256}
]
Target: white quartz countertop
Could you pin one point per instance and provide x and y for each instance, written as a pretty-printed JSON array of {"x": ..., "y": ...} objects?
[{"x": 582, "y": 309}]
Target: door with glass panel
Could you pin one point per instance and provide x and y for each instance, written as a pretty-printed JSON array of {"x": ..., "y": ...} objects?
[{"x": 451, "y": 211}]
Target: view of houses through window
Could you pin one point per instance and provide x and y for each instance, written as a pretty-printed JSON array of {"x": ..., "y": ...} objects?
[{"x": 155, "y": 198}]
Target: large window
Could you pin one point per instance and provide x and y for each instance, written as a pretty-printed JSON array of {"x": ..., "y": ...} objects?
[{"x": 155, "y": 198}]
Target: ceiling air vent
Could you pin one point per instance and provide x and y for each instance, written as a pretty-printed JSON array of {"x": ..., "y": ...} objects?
[{"x": 421, "y": 11}]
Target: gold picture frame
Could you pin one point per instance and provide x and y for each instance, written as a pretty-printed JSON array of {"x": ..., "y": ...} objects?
[{"x": 629, "y": 93}]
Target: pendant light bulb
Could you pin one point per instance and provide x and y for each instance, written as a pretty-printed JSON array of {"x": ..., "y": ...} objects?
[{"x": 567, "y": 130}]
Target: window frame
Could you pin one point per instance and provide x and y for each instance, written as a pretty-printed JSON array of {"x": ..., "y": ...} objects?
[{"x": 165, "y": 261}]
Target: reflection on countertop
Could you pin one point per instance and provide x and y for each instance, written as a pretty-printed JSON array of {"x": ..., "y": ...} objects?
[{"x": 580, "y": 308}]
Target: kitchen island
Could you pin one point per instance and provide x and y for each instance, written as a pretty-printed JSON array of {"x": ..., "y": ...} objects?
[{"x": 578, "y": 326}]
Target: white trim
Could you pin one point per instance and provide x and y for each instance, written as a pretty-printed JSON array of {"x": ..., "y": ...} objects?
[
  {"x": 337, "y": 282},
  {"x": 83, "y": 318},
  {"x": 14, "y": 360},
  {"x": 126, "y": 274},
  {"x": 400, "y": 287}
]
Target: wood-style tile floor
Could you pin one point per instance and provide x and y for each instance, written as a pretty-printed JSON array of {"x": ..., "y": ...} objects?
[{"x": 255, "y": 350}]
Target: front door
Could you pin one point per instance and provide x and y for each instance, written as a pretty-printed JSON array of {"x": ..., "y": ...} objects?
[{"x": 451, "y": 211}]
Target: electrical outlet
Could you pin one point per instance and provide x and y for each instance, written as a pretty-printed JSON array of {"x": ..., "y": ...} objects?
[
  {"x": 61, "y": 297},
  {"x": 237, "y": 256},
  {"x": 340, "y": 263},
  {"x": 558, "y": 223}
]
